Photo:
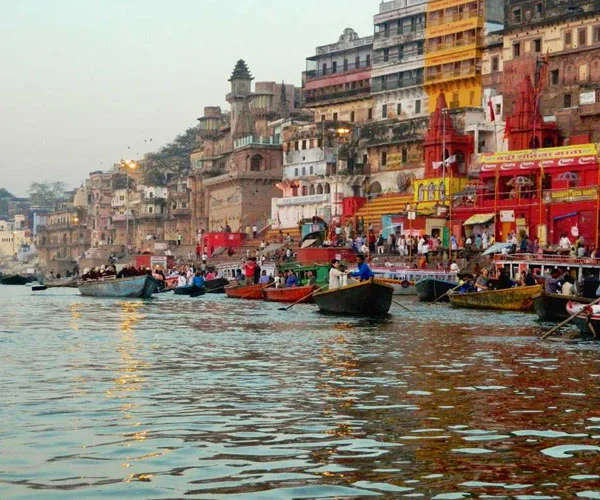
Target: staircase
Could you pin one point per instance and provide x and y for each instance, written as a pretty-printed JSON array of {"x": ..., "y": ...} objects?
[
  {"x": 272, "y": 235},
  {"x": 382, "y": 205}
]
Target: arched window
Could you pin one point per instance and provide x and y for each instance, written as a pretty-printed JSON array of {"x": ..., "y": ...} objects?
[
  {"x": 256, "y": 163},
  {"x": 319, "y": 189},
  {"x": 327, "y": 189},
  {"x": 303, "y": 170},
  {"x": 294, "y": 190},
  {"x": 442, "y": 191},
  {"x": 421, "y": 195},
  {"x": 304, "y": 191},
  {"x": 404, "y": 155},
  {"x": 431, "y": 192},
  {"x": 311, "y": 190}
]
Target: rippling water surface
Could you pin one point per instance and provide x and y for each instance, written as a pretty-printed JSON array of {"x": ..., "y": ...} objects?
[{"x": 215, "y": 398}]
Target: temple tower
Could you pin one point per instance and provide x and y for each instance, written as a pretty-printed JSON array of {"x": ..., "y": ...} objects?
[{"x": 239, "y": 98}]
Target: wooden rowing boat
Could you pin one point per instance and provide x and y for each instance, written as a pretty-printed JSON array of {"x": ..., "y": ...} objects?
[
  {"x": 292, "y": 294},
  {"x": 62, "y": 282},
  {"x": 588, "y": 319},
  {"x": 15, "y": 279},
  {"x": 136, "y": 286},
  {"x": 216, "y": 286},
  {"x": 553, "y": 306},
  {"x": 369, "y": 298},
  {"x": 431, "y": 289},
  {"x": 189, "y": 290},
  {"x": 518, "y": 298},
  {"x": 248, "y": 292}
]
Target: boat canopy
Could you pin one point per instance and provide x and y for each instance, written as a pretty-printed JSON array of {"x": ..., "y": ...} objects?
[
  {"x": 478, "y": 219},
  {"x": 273, "y": 247},
  {"x": 219, "y": 251},
  {"x": 308, "y": 243}
]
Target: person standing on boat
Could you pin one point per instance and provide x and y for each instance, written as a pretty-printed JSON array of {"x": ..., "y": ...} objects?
[
  {"x": 364, "y": 271},
  {"x": 198, "y": 280},
  {"x": 335, "y": 275}
]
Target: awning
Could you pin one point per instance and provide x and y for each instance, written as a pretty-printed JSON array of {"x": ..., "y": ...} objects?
[
  {"x": 478, "y": 219},
  {"x": 273, "y": 247},
  {"x": 496, "y": 248},
  {"x": 308, "y": 243},
  {"x": 218, "y": 251}
]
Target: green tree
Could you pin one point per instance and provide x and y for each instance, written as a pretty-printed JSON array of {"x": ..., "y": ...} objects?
[
  {"x": 171, "y": 160},
  {"x": 46, "y": 194}
]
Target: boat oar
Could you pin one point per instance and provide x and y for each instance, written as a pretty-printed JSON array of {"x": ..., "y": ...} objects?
[
  {"x": 568, "y": 320},
  {"x": 302, "y": 299},
  {"x": 401, "y": 305},
  {"x": 444, "y": 295}
]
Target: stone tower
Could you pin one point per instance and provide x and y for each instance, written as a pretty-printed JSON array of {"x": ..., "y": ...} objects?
[{"x": 239, "y": 98}]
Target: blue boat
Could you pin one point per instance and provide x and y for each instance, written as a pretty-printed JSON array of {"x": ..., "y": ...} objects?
[{"x": 137, "y": 286}]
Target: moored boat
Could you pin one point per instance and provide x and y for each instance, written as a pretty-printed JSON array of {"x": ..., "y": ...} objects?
[
  {"x": 430, "y": 289},
  {"x": 292, "y": 294},
  {"x": 368, "y": 298},
  {"x": 588, "y": 319},
  {"x": 553, "y": 306},
  {"x": 189, "y": 290},
  {"x": 136, "y": 286},
  {"x": 70, "y": 282},
  {"x": 519, "y": 298},
  {"x": 14, "y": 279},
  {"x": 216, "y": 286},
  {"x": 404, "y": 280},
  {"x": 248, "y": 292}
]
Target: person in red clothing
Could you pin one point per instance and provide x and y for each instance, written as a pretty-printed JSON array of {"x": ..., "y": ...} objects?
[{"x": 249, "y": 269}]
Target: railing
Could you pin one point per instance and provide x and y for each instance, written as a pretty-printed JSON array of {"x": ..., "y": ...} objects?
[
  {"x": 404, "y": 36},
  {"x": 379, "y": 86},
  {"x": 405, "y": 57},
  {"x": 344, "y": 68},
  {"x": 550, "y": 258},
  {"x": 359, "y": 92}
]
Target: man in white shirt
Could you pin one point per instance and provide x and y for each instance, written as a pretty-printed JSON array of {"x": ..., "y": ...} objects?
[
  {"x": 335, "y": 275},
  {"x": 454, "y": 267}
]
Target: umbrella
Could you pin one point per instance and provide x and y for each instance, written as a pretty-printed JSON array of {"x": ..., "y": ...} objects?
[
  {"x": 568, "y": 176},
  {"x": 496, "y": 248},
  {"x": 520, "y": 181}
]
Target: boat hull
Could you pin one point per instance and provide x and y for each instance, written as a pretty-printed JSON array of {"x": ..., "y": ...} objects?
[
  {"x": 369, "y": 298},
  {"x": 587, "y": 322},
  {"x": 135, "y": 287},
  {"x": 400, "y": 287},
  {"x": 216, "y": 286},
  {"x": 15, "y": 279},
  {"x": 250, "y": 292},
  {"x": 511, "y": 299},
  {"x": 553, "y": 307},
  {"x": 300, "y": 294},
  {"x": 189, "y": 290},
  {"x": 431, "y": 289},
  {"x": 62, "y": 283}
]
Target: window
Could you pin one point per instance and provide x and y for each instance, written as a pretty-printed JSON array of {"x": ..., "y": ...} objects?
[
  {"x": 596, "y": 34},
  {"x": 335, "y": 117},
  {"x": 304, "y": 144},
  {"x": 554, "y": 76},
  {"x": 150, "y": 209},
  {"x": 303, "y": 171},
  {"x": 324, "y": 68},
  {"x": 386, "y": 30},
  {"x": 322, "y": 118},
  {"x": 516, "y": 49},
  {"x": 295, "y": 172},
  {"x": 537, "y": 13},
  {"x": 304, "y": 191},
  {"x": 345, "y": 64},
  {"x": 386, "y": 55},
  {"x": 368, "y": 61},
  {"x": 384, "y": 111},
  {"x": 370, "y": 115},
  {"x": 495, "y": 64},
  {"x": 582, "y": 36},
  {"x": 352, "y": 116},
  {"x": 417, "y": 106},
  {"x": 567, "y": 101},
  {"x": 536, "y": 45},
  {"x": 421, "y": 192},
  {"x": 383, "y": 158},
  {"x": 399, "y": 109},
  {"x": 498, "y": 109},
  {"x": 517, "y": 15},
  {"x": 311, "y": 170},
  {"x": 357, "y": 62},
  {"x": 431, "y": 192},
  {"x": 404, "y": 155},
  {"x": 334, "y": 67},
  {"x": 568, "y": 38}
]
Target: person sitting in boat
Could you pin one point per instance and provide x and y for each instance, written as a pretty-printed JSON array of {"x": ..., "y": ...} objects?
[
  {"x": 482, "y": 284},
  {"x": 335, "y": 275},
  {"x": 364, "y": 272},
  {"x": 292, "y": 279},
  {"x": 280, "y": 280},
  {"x": 240, "y": 277},
  {"x": 264, "y": 278},
  {"x": 552, "y": 283},
  {"x": 198, "y": 280},
  {"x": 310, "y": 278},
  {"x": 568, "y": 287},
  {"x": 503, "y": 282},
  {"x": 529, "y": 279},
  {"x": 182, "y": 281}
]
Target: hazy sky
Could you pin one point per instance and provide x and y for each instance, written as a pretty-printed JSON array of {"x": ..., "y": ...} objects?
[{"x": 83, "y": 81}]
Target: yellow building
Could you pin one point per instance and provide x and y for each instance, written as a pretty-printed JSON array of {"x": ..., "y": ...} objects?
[{"x": 454, "y": 40}]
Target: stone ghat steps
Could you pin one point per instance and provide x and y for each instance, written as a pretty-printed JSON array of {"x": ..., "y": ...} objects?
[
  {"x": 272, "y": 235},
  {"x": 373, "y": 210}
]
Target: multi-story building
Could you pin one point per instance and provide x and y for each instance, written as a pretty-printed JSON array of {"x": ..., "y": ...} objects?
[
  {"x": 454, "y": 40},
  {"x": 98, "y": 190},
  {"x": 337, "y": 81},
  {"x": 559, "y": 47},
  {"x": 398, "y": 60}
]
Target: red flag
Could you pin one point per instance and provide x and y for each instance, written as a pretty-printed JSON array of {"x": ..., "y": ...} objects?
[
  {"x": 492, "y": 114},
  {"x": 507, "y": 128}
]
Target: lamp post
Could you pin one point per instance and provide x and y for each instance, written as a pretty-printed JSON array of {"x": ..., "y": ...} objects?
[{"x": 128, "y": 165}]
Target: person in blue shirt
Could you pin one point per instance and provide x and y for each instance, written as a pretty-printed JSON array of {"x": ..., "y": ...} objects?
[
  {"x": 292, "y": 280},
  {"x": 198, "y": 280},
  {"x": 364, "y": 271}
]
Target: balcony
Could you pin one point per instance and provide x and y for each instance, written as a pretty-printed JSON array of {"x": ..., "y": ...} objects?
[
  {"x": 444, "y": 76},
  {"x": 348, "y": 68},
  {"x": 379, "y": 86},
  {"x": 390, "y": 39},
  {"x": 181, "y": 211},
  {"x": 358, "y": 93},
  {"x": 122, "y": 217}
]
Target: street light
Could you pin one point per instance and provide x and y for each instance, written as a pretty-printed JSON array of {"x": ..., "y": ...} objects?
[{"x": 131, "y": 165}]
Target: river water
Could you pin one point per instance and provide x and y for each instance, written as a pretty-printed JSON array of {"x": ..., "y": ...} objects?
[{"x": 217, "y": 398}]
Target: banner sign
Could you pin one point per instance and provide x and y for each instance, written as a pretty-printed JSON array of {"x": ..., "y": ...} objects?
[{"x": 567, "y": 156}]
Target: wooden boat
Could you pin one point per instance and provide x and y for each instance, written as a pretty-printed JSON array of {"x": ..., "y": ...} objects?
[
  {"x": 189, "y": 290},
  {"x": 216, "y": 286},
  {"x": 519, "y": 298},
  {"x": 136, "y": 286},
  {"x": 431, "y": 289},
  {"x": 38, "y": 288},
  {"x": 404, "y": 280},
  {"x": 588, "y": 321},
  {"x": 553, "y": 306},
  {"x": 249, "y": 292},
  {"x": 62, "y": 282},
  {"x": 369, "y": 298},
  {"x": 292, "y": 294},
  {"x": 14, "y": 279}
]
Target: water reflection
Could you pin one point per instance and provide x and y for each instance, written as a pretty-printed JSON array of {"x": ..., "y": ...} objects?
[{"x": 213, "y": 398}]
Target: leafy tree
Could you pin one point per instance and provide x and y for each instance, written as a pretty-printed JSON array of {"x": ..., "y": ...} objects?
[
  {"x": 5, "y": 197},
  {"x": 171, "y": 160},
  {"x": 46, "y": 194}
]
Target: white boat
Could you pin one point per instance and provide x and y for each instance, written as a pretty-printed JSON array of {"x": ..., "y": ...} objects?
[{"x": 404, "y": 280}]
